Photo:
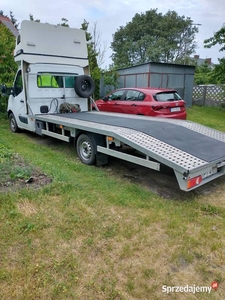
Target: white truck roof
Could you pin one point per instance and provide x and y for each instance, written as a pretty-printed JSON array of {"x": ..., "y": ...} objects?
[{"x": 46, "y": 43}]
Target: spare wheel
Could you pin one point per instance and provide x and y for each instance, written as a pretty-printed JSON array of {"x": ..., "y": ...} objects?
[{"x": 84, "y": 86}]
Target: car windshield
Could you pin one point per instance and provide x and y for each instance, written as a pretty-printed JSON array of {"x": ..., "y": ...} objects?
[{"x": 167, "y": 96}]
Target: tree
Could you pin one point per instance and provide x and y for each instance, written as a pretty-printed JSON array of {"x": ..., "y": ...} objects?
[
  {"x": 64, "y": 23},
  {"x": 8, "y": 66},
  {"x": 218, "y": 38},
  {"x": 32, "y": 18},
  {"x": 151, "y": 36},
  {"x": 218, "y": 74},
  {"x": 203, "y": 74},
  {"x": 92, "y": 56},
  {"x": 99, "y": 48},
  {"x": 110, "y": 79}
]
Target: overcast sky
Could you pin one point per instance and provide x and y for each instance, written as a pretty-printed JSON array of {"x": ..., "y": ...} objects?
[{"x": 110, "y": 15}]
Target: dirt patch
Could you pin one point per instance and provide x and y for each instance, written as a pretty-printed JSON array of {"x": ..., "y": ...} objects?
[
  {"x": 163, "y": 182},
  {"x": 17, "y": 174}
]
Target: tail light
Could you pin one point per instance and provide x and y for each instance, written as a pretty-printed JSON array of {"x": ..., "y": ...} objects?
[{"x": 194, "y": 181}]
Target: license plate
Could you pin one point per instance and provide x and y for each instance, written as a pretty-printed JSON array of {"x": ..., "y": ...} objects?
[{"x": 173, "y": 109}]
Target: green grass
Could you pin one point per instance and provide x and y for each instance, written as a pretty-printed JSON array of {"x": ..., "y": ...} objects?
[
  {"x": 92, "y": 235},
  {"x": 213, "y": 117}
]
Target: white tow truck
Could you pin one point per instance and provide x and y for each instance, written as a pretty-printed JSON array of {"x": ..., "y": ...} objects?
[{"x": 51, "y": 96}]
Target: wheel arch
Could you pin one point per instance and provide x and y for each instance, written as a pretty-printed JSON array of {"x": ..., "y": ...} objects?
[
  {"x": 9, "y": 112},
  {"x": 98, "y": 139}
]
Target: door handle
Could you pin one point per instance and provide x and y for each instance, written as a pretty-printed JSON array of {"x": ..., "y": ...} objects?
[
  {"x": 133, "y": 104},
  {"x": 116, "y": 103},
  {"x": 22, "y": 101}
]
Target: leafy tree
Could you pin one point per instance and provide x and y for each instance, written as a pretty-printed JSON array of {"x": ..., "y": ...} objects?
[
  {"x": 203, "y": 74},
  {"x": 92, "y": 56},
  {"x": 218, "y": 74},
  {"x": 32, "y": 18},
  {"x": 64, "y": 23},
  {"x": 151, "y": 36},
  {"x": 110, "y": 79},
  {"x": 8, "y": 66},
  {"x": 218, "y": 39}
]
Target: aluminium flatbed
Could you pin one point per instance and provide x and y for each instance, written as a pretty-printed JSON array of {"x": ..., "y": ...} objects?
[{"x": 196, "y": 153}]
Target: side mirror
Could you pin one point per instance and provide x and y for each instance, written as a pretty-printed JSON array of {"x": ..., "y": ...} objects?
[
  {"x": 3, "y": 89},
  {"x": 105, "y": 98}
]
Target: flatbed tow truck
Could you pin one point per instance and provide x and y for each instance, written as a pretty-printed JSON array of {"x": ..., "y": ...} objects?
[{"x": 195, "y": 152}]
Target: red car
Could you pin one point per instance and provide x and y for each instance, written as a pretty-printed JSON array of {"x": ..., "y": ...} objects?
[{"x": 152, "y": 102}]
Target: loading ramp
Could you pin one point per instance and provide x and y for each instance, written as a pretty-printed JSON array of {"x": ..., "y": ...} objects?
[{"x": 195, "y": 152}]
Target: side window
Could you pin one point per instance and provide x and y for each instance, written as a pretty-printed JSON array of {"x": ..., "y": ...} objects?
[
  {"x": 116, "y": 95},
  {"x": 69, "y": 81},
  {"x": 130, "y": 95},
  {"x": 46, "y": 80},
  {"x": 18, "y": 39},
  {"x": 18, "y": 84},
  {"x": 134, "y": 95}
]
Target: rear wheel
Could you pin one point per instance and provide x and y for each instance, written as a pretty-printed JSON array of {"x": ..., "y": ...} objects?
[
  {"x": 86, "y": 149},
  {"x": 13, "y": 124}
]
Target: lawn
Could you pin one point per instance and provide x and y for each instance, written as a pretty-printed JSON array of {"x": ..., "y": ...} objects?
[{"x": 88, "y": 234}]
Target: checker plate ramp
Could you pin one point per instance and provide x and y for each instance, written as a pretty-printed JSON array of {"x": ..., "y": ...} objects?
[{"x": 183, "y": 145}]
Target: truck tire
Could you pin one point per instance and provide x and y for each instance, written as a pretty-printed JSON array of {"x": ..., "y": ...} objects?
[
  {"x": 86, "y": 149},
  {"x": 13, "y": 124},
  {"x": 84, "y": 86}
]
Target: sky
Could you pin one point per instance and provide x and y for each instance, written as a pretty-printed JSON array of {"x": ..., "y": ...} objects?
[{"x": 110, "y": 15}]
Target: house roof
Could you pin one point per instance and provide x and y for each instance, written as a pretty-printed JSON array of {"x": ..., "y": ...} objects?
[
  {"x": 200, "y": 61},
  {"x": 8, "y": 23}
]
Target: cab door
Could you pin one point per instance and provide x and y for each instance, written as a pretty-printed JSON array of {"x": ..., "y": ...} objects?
[{"x": 16, "y": 102}]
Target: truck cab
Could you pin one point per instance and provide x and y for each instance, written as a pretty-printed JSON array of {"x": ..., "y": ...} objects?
[{"x": 52, "y": 71}]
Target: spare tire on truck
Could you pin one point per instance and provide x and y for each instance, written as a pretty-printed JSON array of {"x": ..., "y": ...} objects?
[{"x": 84, "y": 86}]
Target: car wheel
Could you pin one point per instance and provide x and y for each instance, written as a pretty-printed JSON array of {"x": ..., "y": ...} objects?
[
  {"x": 86, "y": 149},
  {"x": 13, "y": 124},
  {"x": 84, "y": 86}
]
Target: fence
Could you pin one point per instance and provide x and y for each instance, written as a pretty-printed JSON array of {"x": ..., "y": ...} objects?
[{"x": 208, "y": 95}]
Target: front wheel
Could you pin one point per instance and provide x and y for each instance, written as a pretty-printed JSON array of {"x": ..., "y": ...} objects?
[
  {"x": 13, "y": 124},
  {"x": 86, "y": 149}
]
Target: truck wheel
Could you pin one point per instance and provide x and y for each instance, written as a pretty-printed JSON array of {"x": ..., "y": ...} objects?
[
  {"x": 13, "y": 125},
  {"x": 84, "y": 86},
  {"x": 86, "y": 149}
]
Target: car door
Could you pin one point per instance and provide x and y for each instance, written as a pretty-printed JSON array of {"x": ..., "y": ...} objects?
[
  {"x": 133, "y": 102},
  {"x": 112, "y": 103}
]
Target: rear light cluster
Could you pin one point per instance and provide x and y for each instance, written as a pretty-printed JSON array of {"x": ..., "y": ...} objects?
[{"x": 194, "y": 181}]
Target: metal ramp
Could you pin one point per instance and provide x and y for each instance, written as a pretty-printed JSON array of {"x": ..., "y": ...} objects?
[{"x": 196, "y": 153}]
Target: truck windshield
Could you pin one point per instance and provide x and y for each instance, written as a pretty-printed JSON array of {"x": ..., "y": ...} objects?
[{"x": 48, "y": 80}]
